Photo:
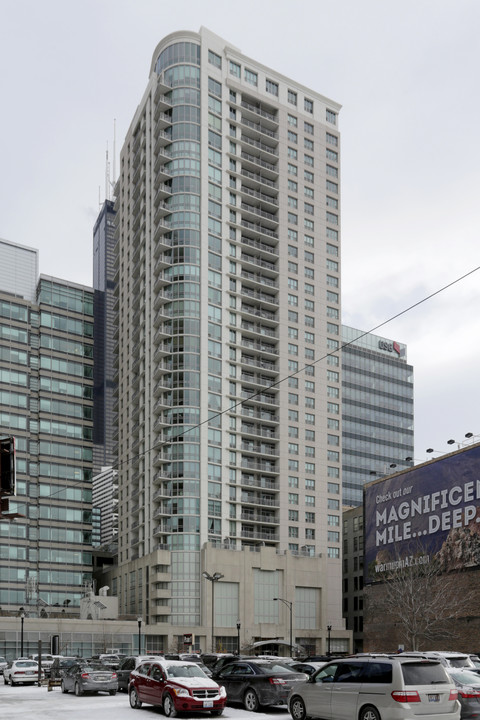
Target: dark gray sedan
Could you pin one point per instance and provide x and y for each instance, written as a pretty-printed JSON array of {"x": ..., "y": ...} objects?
[
  {"x": 257, "y": 683},
  {"x": 468, "y": 686},
  {"x": 89, "y": 677},
  {"x": 61, "y": 665}
]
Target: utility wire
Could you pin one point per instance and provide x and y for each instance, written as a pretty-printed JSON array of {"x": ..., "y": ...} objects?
[
  {"x": 287, "y": 377},
  {"x": 302, "y": 369}
]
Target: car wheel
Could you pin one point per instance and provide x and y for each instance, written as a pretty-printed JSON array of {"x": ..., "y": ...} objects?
[
  {"x": 64, "y": 689},
  {"x": 134, "y": 701},
  {"x": 112, "y": 692},
  {"x": 169, "y": 707},
  {"x": 297, "y": 708},
  {"x": 78, "y": 690},
  {"x": 5, "y": 681},
  {"x": 369, "y": 713},
  {"x": 250, "y": 701},
  {"x": 11, "y": 681}
]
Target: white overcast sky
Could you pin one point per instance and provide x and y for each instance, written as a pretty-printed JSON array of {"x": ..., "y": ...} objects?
[{"x": 407, "y": 76}]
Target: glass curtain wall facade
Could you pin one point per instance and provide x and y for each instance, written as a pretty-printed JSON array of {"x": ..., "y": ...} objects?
[
  {"x": 377, "y": 415},
  {"x": 104, "y": 314},
  {"x": 228, "y": 282},
  {"x": 46, "y": 391}
]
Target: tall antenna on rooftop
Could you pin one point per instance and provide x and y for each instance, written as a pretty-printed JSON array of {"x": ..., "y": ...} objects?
[
  {"x": 114, "y": 178},
  {"x": 107, "y": 175},
  {"x": 110, "y": 180}
]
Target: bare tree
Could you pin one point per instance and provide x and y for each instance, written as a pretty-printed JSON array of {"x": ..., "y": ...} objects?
[{"x": 424, "y": 600}]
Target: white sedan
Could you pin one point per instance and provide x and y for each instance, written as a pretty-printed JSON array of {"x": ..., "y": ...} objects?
[{"x": 21, "y": 672}]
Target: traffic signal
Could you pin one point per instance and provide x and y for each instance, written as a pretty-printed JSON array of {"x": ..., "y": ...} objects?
[{"x": 7, "y": 466}]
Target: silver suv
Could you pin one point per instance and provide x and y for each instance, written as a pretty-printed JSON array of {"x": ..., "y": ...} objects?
[
  {"x": 448, "y": 658},
  {"x": 375, "y": 687}
]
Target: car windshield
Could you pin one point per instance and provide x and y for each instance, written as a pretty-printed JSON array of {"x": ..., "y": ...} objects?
[
  {"x": 93, "y": 667},
  {"x": 181, "y": 671},
  {"x": 66, "y": 663},
  {"x": 26, "y": 664},
  {"x": 465, "y": 677}
]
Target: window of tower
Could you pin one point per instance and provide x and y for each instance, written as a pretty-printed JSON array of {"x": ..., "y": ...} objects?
[{"x": 177, "y": 53}]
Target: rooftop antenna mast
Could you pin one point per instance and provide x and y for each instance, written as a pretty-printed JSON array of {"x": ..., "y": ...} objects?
[
  {"x": 107, "y": 175},
  {"x": 109, "y": 181},
  {"x": 114, "y": 173}
]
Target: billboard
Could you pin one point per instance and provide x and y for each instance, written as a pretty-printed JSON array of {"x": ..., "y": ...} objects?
[{"x": 430, "y": 511}]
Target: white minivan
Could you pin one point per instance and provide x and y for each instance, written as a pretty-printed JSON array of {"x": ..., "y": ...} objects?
[{"x": 377, "y": 687}]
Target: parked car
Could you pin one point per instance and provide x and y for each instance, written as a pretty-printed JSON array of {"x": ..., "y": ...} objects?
[
  {"x": 256, "y": 683},
  {"x": 60, "y": 666},
  {"x": 176, "y": 686},
  {"x": 3, "y": 664},
  {"x": 89, "y": 677},
  {"x": 226, "y": 660},
  {"x": 108, "y": 659},
  {"x": 306, "y": 667},
  {"x": 128, "y": 664},
  {"x": 448, "y": 659},
  {"x": 382, "y": 686},
  {"x": 211, "y": 659},
  {"x": 47, "y": 662},
  {"x": 476, "y": 661},
  {"x": 193, "y": 657},
  {"x": 468, "y": 686},
  {"x": 20, "y": 672}
]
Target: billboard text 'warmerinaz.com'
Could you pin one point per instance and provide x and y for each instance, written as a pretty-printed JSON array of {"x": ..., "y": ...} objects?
[{"x": 431, "y": 511}]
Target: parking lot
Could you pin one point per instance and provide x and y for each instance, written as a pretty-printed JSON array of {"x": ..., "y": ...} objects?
[{"x": 36, "y": 703}]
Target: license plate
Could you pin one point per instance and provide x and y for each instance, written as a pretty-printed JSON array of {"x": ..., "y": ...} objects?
[
  {"x": 434, "y": 698},
  {"x": 208, "y": 703}
]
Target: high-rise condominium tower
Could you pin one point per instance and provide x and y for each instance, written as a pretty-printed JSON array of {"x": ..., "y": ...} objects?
[{"x": 229, "y": 408}]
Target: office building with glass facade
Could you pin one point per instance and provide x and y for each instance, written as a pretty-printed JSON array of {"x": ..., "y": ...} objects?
[
  {"x": 377, "y": 413},
  {"x": 18, "y": 270},
  {"x": 104, "y": 318},
  {"x": 46, "y": 399}
]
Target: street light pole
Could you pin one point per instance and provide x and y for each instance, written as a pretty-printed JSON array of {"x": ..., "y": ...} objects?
[
  {"x": 239, "y": 625},
  {"x": 139, "y": 621},
  {"x": 329, "y": 629},
  {"x": 22, "y": 618},
  {"x": 289, "y": 604},
  {"x": 213, "y": 579}
]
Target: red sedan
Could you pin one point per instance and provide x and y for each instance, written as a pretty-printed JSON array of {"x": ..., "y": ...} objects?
[{"x": 176, "y": 686}]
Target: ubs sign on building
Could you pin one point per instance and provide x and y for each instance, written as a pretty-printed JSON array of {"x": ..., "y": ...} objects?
[{"x": 431, "y": 511}]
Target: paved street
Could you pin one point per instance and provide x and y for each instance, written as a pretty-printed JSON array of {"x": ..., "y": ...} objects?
[{"x": 34, "y": 703}]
